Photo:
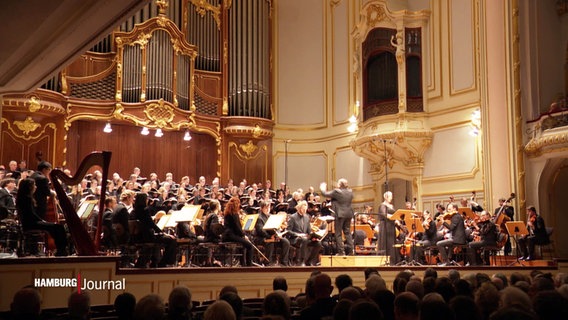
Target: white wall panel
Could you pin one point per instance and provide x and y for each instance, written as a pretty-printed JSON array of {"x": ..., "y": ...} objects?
[
  {"x": 462, "y": 45},
  {"x": 452, "y": 153},
  {"x": 301, "y": 60},
  {"x": 350, "y": 166},
  {"x": 303, "y": 170},
  {"x": 340, "y": 58}
]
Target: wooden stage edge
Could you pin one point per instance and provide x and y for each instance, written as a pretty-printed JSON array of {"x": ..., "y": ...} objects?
[{"x": 205, "y": 282}]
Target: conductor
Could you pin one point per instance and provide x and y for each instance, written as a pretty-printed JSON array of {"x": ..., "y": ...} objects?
[{"x": 341, "y": 199}]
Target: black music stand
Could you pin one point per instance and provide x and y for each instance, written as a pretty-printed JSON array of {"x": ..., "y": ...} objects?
[
  {"x": 516, "y": 229},
  {"x": 415, "y": 226}
]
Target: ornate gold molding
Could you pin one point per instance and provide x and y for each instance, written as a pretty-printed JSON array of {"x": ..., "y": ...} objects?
[
  {"x": 375, "y": 14},
  {"x": 202, "y": 6},
  {"x": 24, "y": 128},
  {"x": 257, "y": 131},
  {"x": 249, "y": 150},
  {"x": 160, "y": 114},
  {"x": 34, "y": 104},
  {"x": 550, "y": 143}
]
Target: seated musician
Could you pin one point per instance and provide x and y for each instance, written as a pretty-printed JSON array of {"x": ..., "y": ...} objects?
[
  {"x": 429, "y": 236},
  {"x": 456, "y": 233},
  {"x": 150, "y": 232},
  {"x": 7, "y": 205},
  {"x": 484, "y": 234},
  {"x": 299, "y": 230},
  {"x": 121, "y": 216},
  {"x": 269, "y": 238},
  {"x": 30, "y": 220},
  {"x": 537, "y": 234},
  {"x": 108, "y": 239},
  {"x": 234, "y": 230}
]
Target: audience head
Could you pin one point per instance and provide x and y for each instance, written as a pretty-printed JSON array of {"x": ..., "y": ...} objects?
[
  {"x": 550, "y": 304},
  {"x": 277, "y": 303},
  {"x": 343, "y": 281},
  {"x": 280, "y": 283},
  {"x": 124, "y": 305},
  {"x": 465, "y": 308},
  {"x": 26, "y": 304},
  {"x": 228, "y": 288},
  {"x": 415, "y": 287},
  {"x": 179, "y": 302},
  {"x": 322, "y": 286},
  {"x": 350, "y": 293},
  {"x": 430, "y": 272},
  {"x": 406, "y": 305},
  {"x": 150, "y": 307},
  {"x": 370, "y": 271},
  {"x": 373, "y": 284},
  {"x": 487, "y": 299},
  {"x": 219, "y": 310},
  {"x": 235, "y": 301},
  {"x": 79, "y": 305},
  {"x": 445, "y": 287},
  {"x": 365, "y": 309}
]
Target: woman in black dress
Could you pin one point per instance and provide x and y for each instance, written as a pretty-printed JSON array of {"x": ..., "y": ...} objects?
[{"x": 387, "y": 232}]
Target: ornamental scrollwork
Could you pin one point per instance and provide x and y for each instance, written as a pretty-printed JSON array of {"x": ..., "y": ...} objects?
[
  {"x": 160, "y": 113},
  {"x": 27, "y": 126}
]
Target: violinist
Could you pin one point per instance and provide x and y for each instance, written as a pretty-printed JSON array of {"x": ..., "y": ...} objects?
[
  {"x": 43, "y": 192},
  {"x": 470, "y": 203},
  {"x": 268, "y": 238},
  {"x": 509, "y": 211},
  {"x": 485, "y": 234},
  {"x": 429, "y": 237},
  {"x": 537, "y": 234},
  {"x": 456, "y": 231}
]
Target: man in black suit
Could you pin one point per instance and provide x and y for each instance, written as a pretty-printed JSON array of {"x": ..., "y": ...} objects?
[
  {"x": 456, "y": 233},
  {"x": 341, "y": 199},
  {"x": 42, "y": 187},
  {"x": 7, "y": 203},
  {"x": 299, "y": 229},
  {"x": 509, "y": 211},
  {"x": 537, "y": 234}
]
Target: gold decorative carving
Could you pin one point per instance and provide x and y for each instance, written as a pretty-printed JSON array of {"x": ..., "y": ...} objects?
[
  {"x": 227, "y": 4},
  {"x": 202, "y": 6},
  {"x": 225, "y": 52},
  {"x": 249, "y": 148},
  {"x": 375, "y": 14},
  {"x": 225, "y": 106},
  {"x": 142, "y": 39},
  {"x": 256, "y": 131},
  {"x": 162, "y": 5},
  {"x": 34, "y": 104},
  {"x": 159, "y": 113},
  {"x": 27, "y": 126}
]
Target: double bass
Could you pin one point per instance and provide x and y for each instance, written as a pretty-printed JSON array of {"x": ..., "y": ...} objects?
[{"x": 500, "y": 220}]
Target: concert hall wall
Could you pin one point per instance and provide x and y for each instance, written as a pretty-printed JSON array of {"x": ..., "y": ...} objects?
[{"x": 130, "y": 149}]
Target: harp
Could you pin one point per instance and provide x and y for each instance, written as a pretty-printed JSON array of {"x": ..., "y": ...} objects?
[{"x": 84, "y": 245}]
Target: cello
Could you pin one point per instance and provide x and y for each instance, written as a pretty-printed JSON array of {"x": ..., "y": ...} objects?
[
  {"x": 83, "y": 243},
  {"x": 51, "y": 214}
]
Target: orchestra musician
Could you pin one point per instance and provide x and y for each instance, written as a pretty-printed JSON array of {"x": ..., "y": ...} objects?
[
  {"x": 299, "y": 229},
  {"x": 43, "y": 191},
  {"x": 7, "y": 204},
  {"x": 509, "y": 211},
  {"x": 537, "y": 234},
  {"x": 108, "y": 239},
  {"x": 429, "y": 236},
  {"x": 387, "y": 232},
  {"x": 341, "y": 198},
  {"x": 234, "y": 230},
  {"x": 470, "y": 203},
  {"x": 485, "y": 234},
  {"x": 26, "y": 207},
  {"x": 270, "y": 238},
  {"x": 150, "y": 232},
  {"x": 121, "y": 215},
  {"x": 455, "y": 231}
]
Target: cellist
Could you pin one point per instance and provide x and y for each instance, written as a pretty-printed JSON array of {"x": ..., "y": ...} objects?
[{"x": 509, "y": 212}]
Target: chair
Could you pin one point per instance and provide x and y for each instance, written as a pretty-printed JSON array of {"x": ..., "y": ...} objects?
[
  {"x": 230, "y": 251},
  {"x": 548, "y": 248},
  {"x": 34, "y": 242}
]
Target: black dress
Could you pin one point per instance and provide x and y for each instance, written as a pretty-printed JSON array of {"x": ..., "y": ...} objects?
[{"x": 387, "y": 233}]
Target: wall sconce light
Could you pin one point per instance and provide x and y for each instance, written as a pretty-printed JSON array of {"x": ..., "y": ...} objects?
[
  {"x": 475, "y": 123},
  {"x": 186, "y": 136},
  {"x": 107, "y": 128},
  {"x": 159, "y": 133},
  {"x": 145, "y": 131},
  {"x": 353, "y": 121}
]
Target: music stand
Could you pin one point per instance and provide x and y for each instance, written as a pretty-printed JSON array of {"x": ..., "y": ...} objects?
[
  {"x": 467, "y": 212},
  {"x": 250, "y": 222},
  {"x": 517, "y": 228},
  {"x": 414, "y": 224}
]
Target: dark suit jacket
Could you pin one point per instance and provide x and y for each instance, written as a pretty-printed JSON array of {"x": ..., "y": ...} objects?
[
  {"x": 457, "y": 228},
  {"x": 7, "y": 205},
  {"x": 120, "y": 216},
  {"x": 341, "y": 202},
  {"x": 541, "y": 236},
  {"x": 295, "y": 224},
  {"x": 42, "y": 192}
]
